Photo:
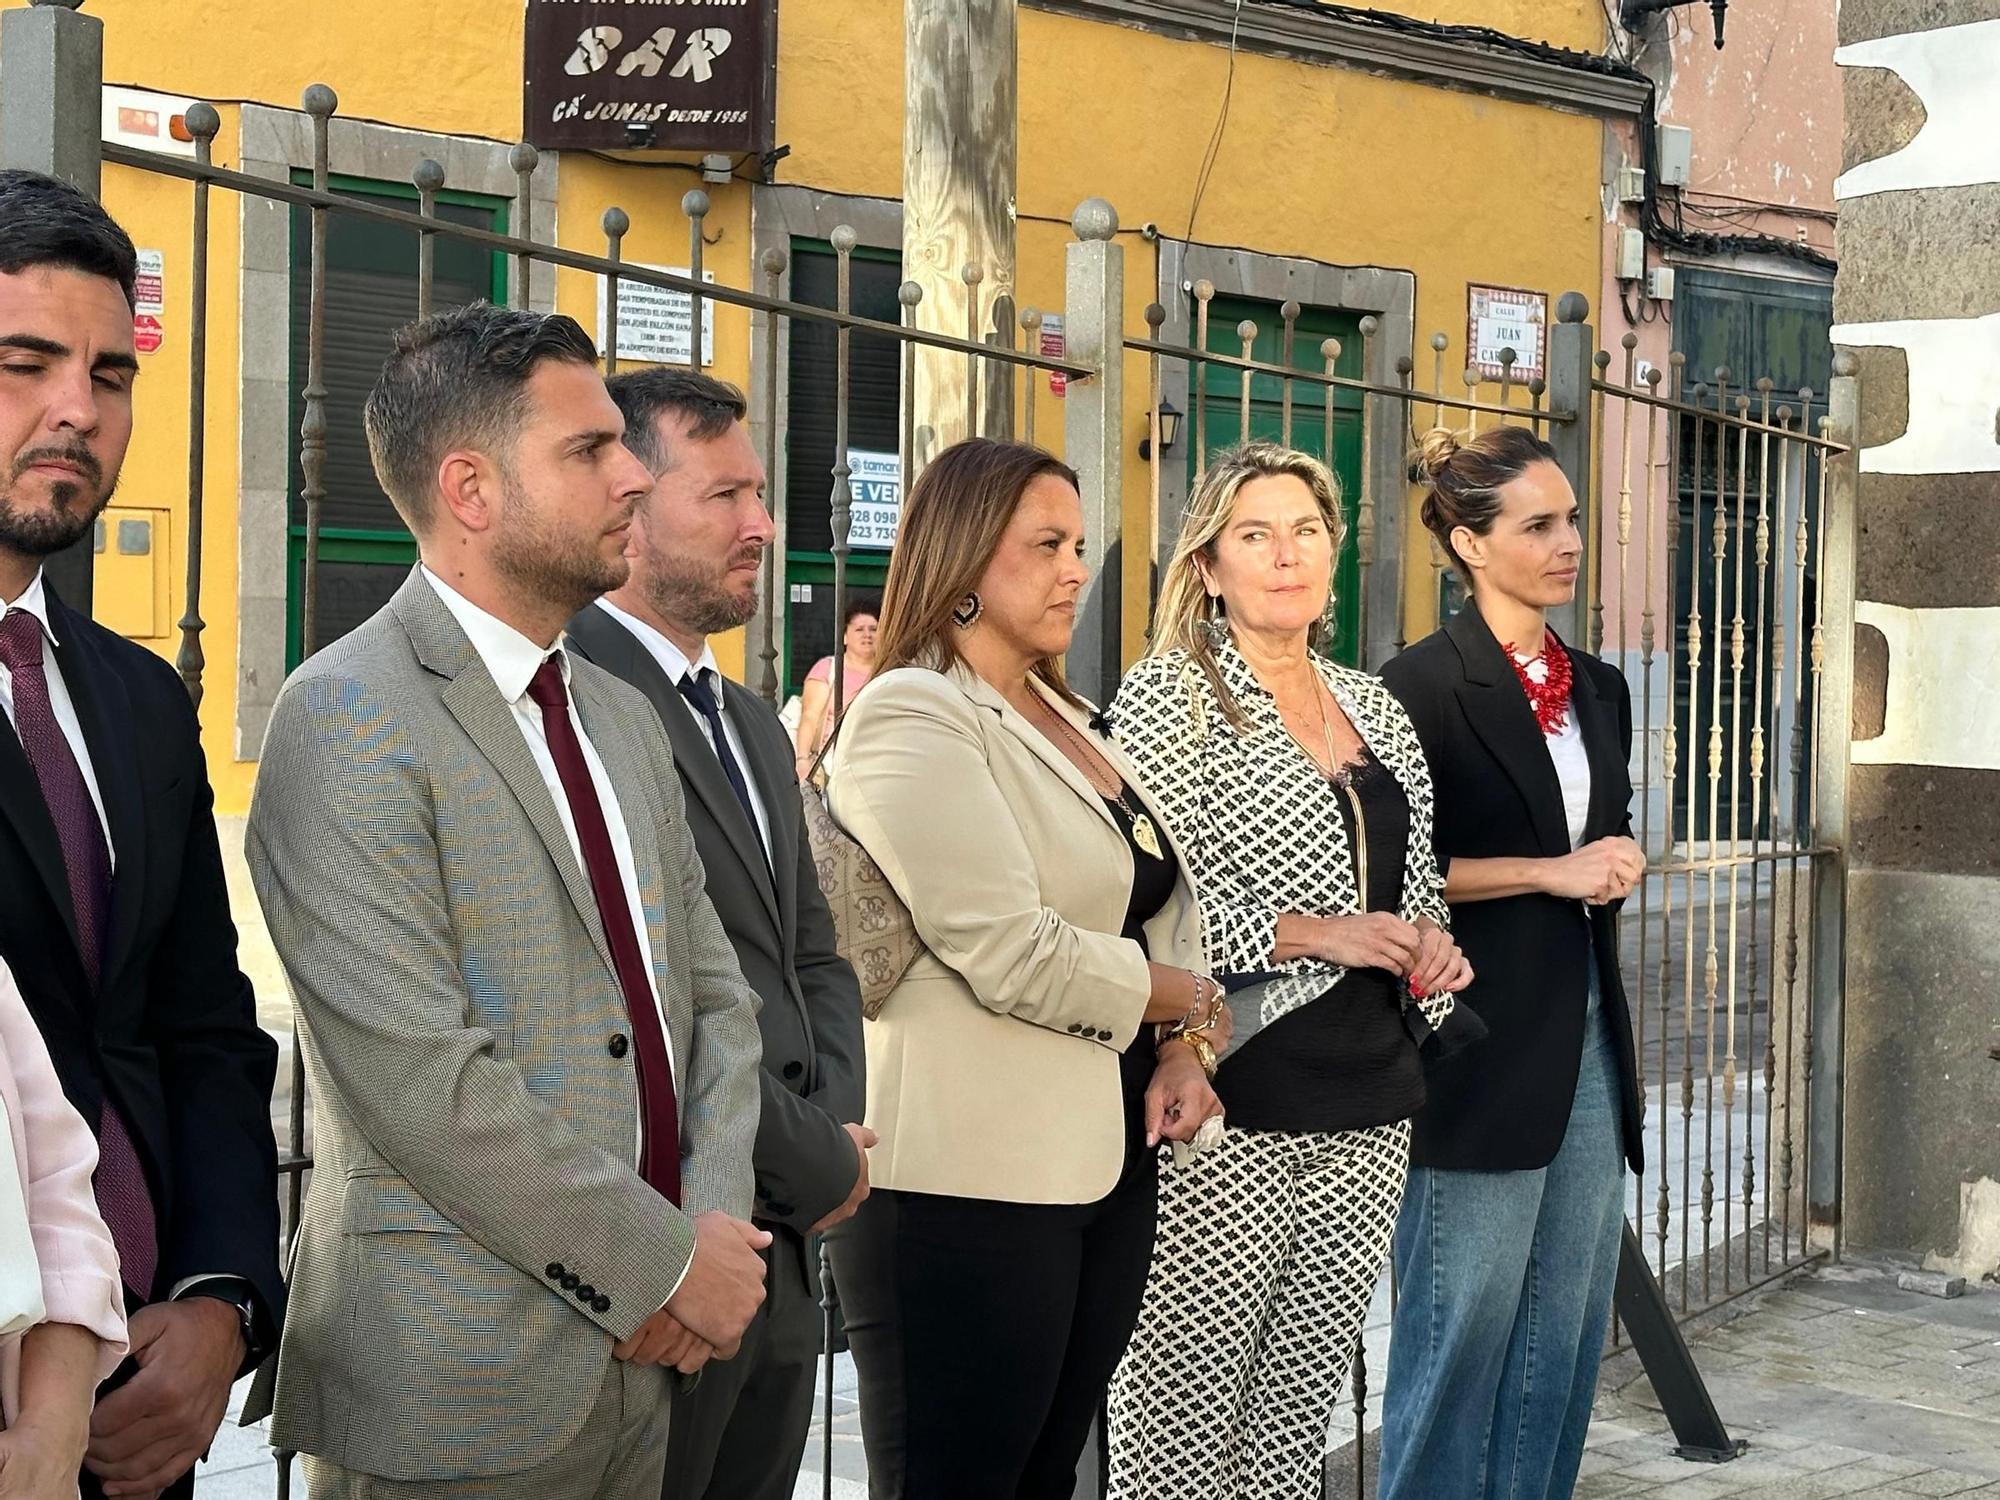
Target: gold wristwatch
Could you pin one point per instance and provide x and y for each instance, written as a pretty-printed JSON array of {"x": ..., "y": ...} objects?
[{"x": 1199, "y": 1045}]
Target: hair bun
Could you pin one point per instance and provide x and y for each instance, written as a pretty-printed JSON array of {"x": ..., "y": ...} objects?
[{"x": 1435, "y": 451}]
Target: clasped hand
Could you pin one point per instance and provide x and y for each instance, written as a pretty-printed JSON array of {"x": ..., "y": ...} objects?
[
  {"x": 1421, "y": 951},
  {"x": 705, "y": 1318},
  {"x": 1599, "y": 873},
  {"x": 152, "y": 1429}
]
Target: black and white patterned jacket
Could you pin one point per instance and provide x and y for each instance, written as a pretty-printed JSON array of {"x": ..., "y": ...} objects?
[{"x": 1247, "y": 808}]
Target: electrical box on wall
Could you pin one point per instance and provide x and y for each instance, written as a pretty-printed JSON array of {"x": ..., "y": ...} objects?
[
  {"x": 129, "y": 581},
  {"x": 1631, "y": 254},
  {"x": 1660, "y": 284},
  {"x": 1676, "y": 148},
  {"x": 1631, "y": 184}
]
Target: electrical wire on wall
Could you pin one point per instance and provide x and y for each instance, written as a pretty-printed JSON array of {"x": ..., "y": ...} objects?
[
  {"x": 1660, "y": 233},
  {"x": 1221, "y": 124}
]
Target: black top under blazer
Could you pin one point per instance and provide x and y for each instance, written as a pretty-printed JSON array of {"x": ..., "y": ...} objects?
[{"x": 1504, "y": 1104}]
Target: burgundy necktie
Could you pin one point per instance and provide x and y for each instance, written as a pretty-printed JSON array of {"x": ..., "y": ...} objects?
[
  {"x": 122, "y": 1195},
  {"x": 660, "y": 1137}
]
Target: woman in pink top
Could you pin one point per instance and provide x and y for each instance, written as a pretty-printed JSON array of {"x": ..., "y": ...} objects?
[
  {"x": 49, "y": 1374},
  {"x": 857, "y": 641}
]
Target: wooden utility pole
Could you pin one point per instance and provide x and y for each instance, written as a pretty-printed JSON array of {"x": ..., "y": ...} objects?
[{"x": 960, "y": 148}]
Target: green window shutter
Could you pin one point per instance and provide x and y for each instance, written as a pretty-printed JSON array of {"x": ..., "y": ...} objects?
[
  {"x": 874, "y": 424},
  {"x": 371, "y": 290},
  {"x": 1224, "y": 388}
]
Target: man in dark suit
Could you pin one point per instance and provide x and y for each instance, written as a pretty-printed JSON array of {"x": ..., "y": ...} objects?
[
  {"x": 114, "y": 916},
  {"x": 695, "y": 547}
]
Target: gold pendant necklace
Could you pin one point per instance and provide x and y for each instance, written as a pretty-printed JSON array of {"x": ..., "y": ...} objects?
[{"x": 1144, "y": 834}]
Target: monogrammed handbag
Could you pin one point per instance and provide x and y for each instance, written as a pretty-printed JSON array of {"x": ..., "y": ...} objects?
[{"x": 872, "y": 927}]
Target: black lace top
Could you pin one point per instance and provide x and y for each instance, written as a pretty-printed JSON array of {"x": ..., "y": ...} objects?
[{"x": 1345, "y": 1060}]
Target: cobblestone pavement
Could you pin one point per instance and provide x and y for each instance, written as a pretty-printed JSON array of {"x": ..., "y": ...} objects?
[{"x": 1841, "y": 1384}]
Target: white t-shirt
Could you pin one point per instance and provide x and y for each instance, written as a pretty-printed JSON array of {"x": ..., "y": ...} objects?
[{"x": 1571, "y": 759}]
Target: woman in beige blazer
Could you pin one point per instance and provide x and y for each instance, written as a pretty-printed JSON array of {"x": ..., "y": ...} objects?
[{"x": 1025, "y": 1070}]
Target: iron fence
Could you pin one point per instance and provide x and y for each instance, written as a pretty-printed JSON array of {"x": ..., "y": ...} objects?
[{"x": 1720, "y": 551}]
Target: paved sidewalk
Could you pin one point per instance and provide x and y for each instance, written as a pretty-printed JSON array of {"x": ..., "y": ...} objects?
[{"x": 1841, "y": 1383}]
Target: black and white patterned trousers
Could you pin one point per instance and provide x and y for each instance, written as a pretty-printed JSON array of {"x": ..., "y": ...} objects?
[{"x": 1268, "y": 1252}]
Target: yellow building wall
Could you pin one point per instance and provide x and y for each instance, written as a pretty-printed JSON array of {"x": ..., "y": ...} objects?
[
  {"x": 155, "y": 212},
  {"x": 1322, "y": 163}
]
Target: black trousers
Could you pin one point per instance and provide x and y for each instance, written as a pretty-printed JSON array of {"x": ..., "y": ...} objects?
[
  {"x": 740, "y": 1434},
  {"x": 985, "y": 1334}
]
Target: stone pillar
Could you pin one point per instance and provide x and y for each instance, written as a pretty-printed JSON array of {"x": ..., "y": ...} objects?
[
  {"x": 51, "y": 80},
  {"x": 1918, "y": 303},
  {"x": 960, "y": 141}
]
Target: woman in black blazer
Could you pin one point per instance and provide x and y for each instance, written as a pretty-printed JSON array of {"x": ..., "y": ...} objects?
[{"x": 1507, "y": 1247}]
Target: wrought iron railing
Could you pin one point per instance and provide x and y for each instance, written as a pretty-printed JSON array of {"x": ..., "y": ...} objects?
[{"x": 1734, "y": 942}]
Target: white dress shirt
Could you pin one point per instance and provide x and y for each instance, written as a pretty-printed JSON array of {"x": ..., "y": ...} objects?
[
  {"x": 34, "y": 600},
  {"x": 674, "y": 662}
]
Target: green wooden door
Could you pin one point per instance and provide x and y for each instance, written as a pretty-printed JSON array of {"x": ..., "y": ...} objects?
[
  {"x": 1755, "y": 327},
  {"x": 1223, "y": 388},
  {"x": 371, "y": 290}
]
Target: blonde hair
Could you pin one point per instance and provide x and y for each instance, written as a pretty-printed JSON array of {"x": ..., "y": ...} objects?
[
  {"x": 1186, "y": 616},
  {"x": 1462, "y": 475},
  {"x": 952, "y": 523}
]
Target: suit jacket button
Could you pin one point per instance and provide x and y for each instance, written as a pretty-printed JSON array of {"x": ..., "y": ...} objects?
[
  {"x": 570, "y": 1281},
  {"x": 600, "y": 1303},
  {"x": 618, "y": 1044},
  {"x": 555, "y": 1271},
  {"x": 793, "y": 1070},
  {"x": 1075, "y": 1027},
  {"x": 586, "y": 1292}
]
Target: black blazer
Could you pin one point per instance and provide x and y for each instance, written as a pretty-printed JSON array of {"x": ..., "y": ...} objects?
[
  {"x": 1504, "y": 1104},
  {"x": 812, "y": 1078},
  {"x": 171, "y": 1033}
]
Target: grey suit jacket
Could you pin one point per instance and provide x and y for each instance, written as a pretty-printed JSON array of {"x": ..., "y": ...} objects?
[
  {"x": 782, "y": 931},
  {"x": 476, "y": 1236}
]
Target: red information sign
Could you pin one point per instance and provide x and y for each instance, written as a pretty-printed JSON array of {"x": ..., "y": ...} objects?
[
  {"x": 1053, "y": 347},
  {"x": 147, "y": 334}
]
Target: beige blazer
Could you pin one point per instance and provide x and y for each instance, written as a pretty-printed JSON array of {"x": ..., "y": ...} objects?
[{"x": 993, "y": 1067}]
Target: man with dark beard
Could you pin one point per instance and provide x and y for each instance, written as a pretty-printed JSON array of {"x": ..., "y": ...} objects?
[
  {"x": 532, "y": 1054},
  {"x": 696, "y": 543},
  {"x": 114, "y": 915}
]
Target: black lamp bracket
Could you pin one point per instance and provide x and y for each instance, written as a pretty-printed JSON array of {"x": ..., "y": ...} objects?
[{"x": 1632, "y": 14}]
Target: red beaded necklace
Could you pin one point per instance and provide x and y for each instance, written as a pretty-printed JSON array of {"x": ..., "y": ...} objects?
[{"x": 1550, "y": 697}]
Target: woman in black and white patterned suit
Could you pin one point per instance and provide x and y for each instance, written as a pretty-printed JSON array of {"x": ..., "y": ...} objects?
[{"x": 1299, "y": 798}]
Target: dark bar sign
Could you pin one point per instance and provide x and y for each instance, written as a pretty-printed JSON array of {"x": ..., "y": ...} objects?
[{"x": 667, "y": 75}]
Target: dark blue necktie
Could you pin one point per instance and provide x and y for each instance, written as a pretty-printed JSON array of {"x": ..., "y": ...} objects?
[{"x": 701, "y": 698}]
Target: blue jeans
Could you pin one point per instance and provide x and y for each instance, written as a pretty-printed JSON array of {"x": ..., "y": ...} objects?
[{"x": 1505, "y": 1295}]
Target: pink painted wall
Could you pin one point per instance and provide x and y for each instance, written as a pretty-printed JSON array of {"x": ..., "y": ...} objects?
[{"x": 1766, "y": 117}]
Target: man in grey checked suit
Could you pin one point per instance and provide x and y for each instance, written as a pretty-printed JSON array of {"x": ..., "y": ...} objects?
[
  {"x": 697, "y": 541},
  {"x": 532, "y": 1056}
]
